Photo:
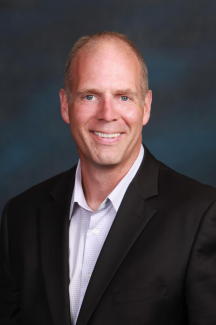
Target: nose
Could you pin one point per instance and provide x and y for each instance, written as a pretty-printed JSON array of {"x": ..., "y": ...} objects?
[{"x": 107, "y": 110}]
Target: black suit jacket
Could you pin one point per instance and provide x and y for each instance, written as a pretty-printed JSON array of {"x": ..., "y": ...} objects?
[{"x": 157, "y": 266}]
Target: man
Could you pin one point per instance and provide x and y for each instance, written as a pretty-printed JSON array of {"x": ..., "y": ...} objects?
[{"x": 121, "y": 238}]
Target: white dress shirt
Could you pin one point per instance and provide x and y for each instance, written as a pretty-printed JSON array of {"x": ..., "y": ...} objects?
[{"x": 88, "y": 231}]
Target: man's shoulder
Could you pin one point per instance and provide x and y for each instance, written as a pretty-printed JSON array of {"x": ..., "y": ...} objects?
[
  {"x": 177, "y": 184},
  {"x": 169, "y": 180},
  {"x": 39, "y": 192}
]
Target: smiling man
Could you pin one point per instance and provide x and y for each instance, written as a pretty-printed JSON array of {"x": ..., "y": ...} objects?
[
  {"x": 106, "y": 106},
  {"x": 120, "y": 238}
]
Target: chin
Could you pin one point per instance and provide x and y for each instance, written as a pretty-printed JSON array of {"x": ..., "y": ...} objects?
[{"x": 107, "y": 162}]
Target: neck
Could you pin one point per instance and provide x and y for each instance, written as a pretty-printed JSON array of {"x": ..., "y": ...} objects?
[{"x": 98, "y": 182}]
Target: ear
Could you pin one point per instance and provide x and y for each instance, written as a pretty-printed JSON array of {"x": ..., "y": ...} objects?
[
  {"x": 147, "y": 107},
  {"x": 64, "y": 106}
]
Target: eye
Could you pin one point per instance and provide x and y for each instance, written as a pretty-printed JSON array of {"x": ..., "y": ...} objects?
[
  {"x": 124, "y": 98},
  {"x": 89, "y": 97}
]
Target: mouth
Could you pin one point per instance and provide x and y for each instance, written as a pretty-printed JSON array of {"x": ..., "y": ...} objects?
[
  {"x": 104, "y": 138},
  {"x": 107, "y": 135}
]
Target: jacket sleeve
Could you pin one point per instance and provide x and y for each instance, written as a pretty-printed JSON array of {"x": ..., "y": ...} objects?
[
  {"x": 8, "y": 292},
  {"x": 201, "y": 277}
]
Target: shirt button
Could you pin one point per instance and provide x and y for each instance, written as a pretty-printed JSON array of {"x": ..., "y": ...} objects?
[{"x": 96, "y": 231}]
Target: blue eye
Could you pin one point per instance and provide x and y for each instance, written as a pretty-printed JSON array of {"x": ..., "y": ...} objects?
[
  {"x": 124, "y": 98},
  {"x": 89, "y": 97}
]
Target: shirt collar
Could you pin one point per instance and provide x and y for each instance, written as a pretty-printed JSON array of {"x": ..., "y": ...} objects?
[
  {"x": 117, "y": 194},
  {"x": 78, "y": 194}
]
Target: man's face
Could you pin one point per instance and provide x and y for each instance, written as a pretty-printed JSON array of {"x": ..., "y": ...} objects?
[{"x": 106, "y": 110}]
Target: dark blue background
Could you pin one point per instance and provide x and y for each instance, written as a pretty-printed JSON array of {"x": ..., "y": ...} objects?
[{"x": 178, "y": 41}]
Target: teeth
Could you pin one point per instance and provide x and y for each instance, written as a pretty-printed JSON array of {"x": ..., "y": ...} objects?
[{"x": 107, "y": 135}]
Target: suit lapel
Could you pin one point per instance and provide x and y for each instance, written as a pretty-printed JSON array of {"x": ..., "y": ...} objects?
[
  {"x": 54, "y": 222},
  {"x": 133, "y": 215}
]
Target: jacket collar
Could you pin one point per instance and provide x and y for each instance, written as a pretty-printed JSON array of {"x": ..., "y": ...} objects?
[
  {"x": 136, "y": 210},
  {"x": 53, "y": 234}
]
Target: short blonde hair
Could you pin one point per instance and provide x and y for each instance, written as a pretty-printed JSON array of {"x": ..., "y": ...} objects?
[{"x": 84, "y": 40}]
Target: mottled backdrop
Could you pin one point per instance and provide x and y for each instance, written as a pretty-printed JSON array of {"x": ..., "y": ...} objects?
[{"x": 178, "y": 41}]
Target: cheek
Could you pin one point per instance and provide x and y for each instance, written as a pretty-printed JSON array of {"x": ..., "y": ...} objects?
[
  {"x": 133, "y": 116},
  {"x": 79, "y": 116}
]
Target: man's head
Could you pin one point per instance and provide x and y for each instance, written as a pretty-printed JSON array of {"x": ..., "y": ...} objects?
[{"x": 106, "y": 100}]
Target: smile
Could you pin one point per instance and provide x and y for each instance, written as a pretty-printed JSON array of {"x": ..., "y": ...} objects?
[{"x": 107, "y": 135}]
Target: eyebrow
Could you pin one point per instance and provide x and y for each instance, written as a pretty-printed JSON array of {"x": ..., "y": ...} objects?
[
  {"x": 126, "y": 91},
  {"x": 89, "y": 90}
]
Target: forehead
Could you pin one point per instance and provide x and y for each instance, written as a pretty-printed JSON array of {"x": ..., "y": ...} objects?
[
  {"x": 110, "y": 44},
  {"x": 108, "y": 59}
]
